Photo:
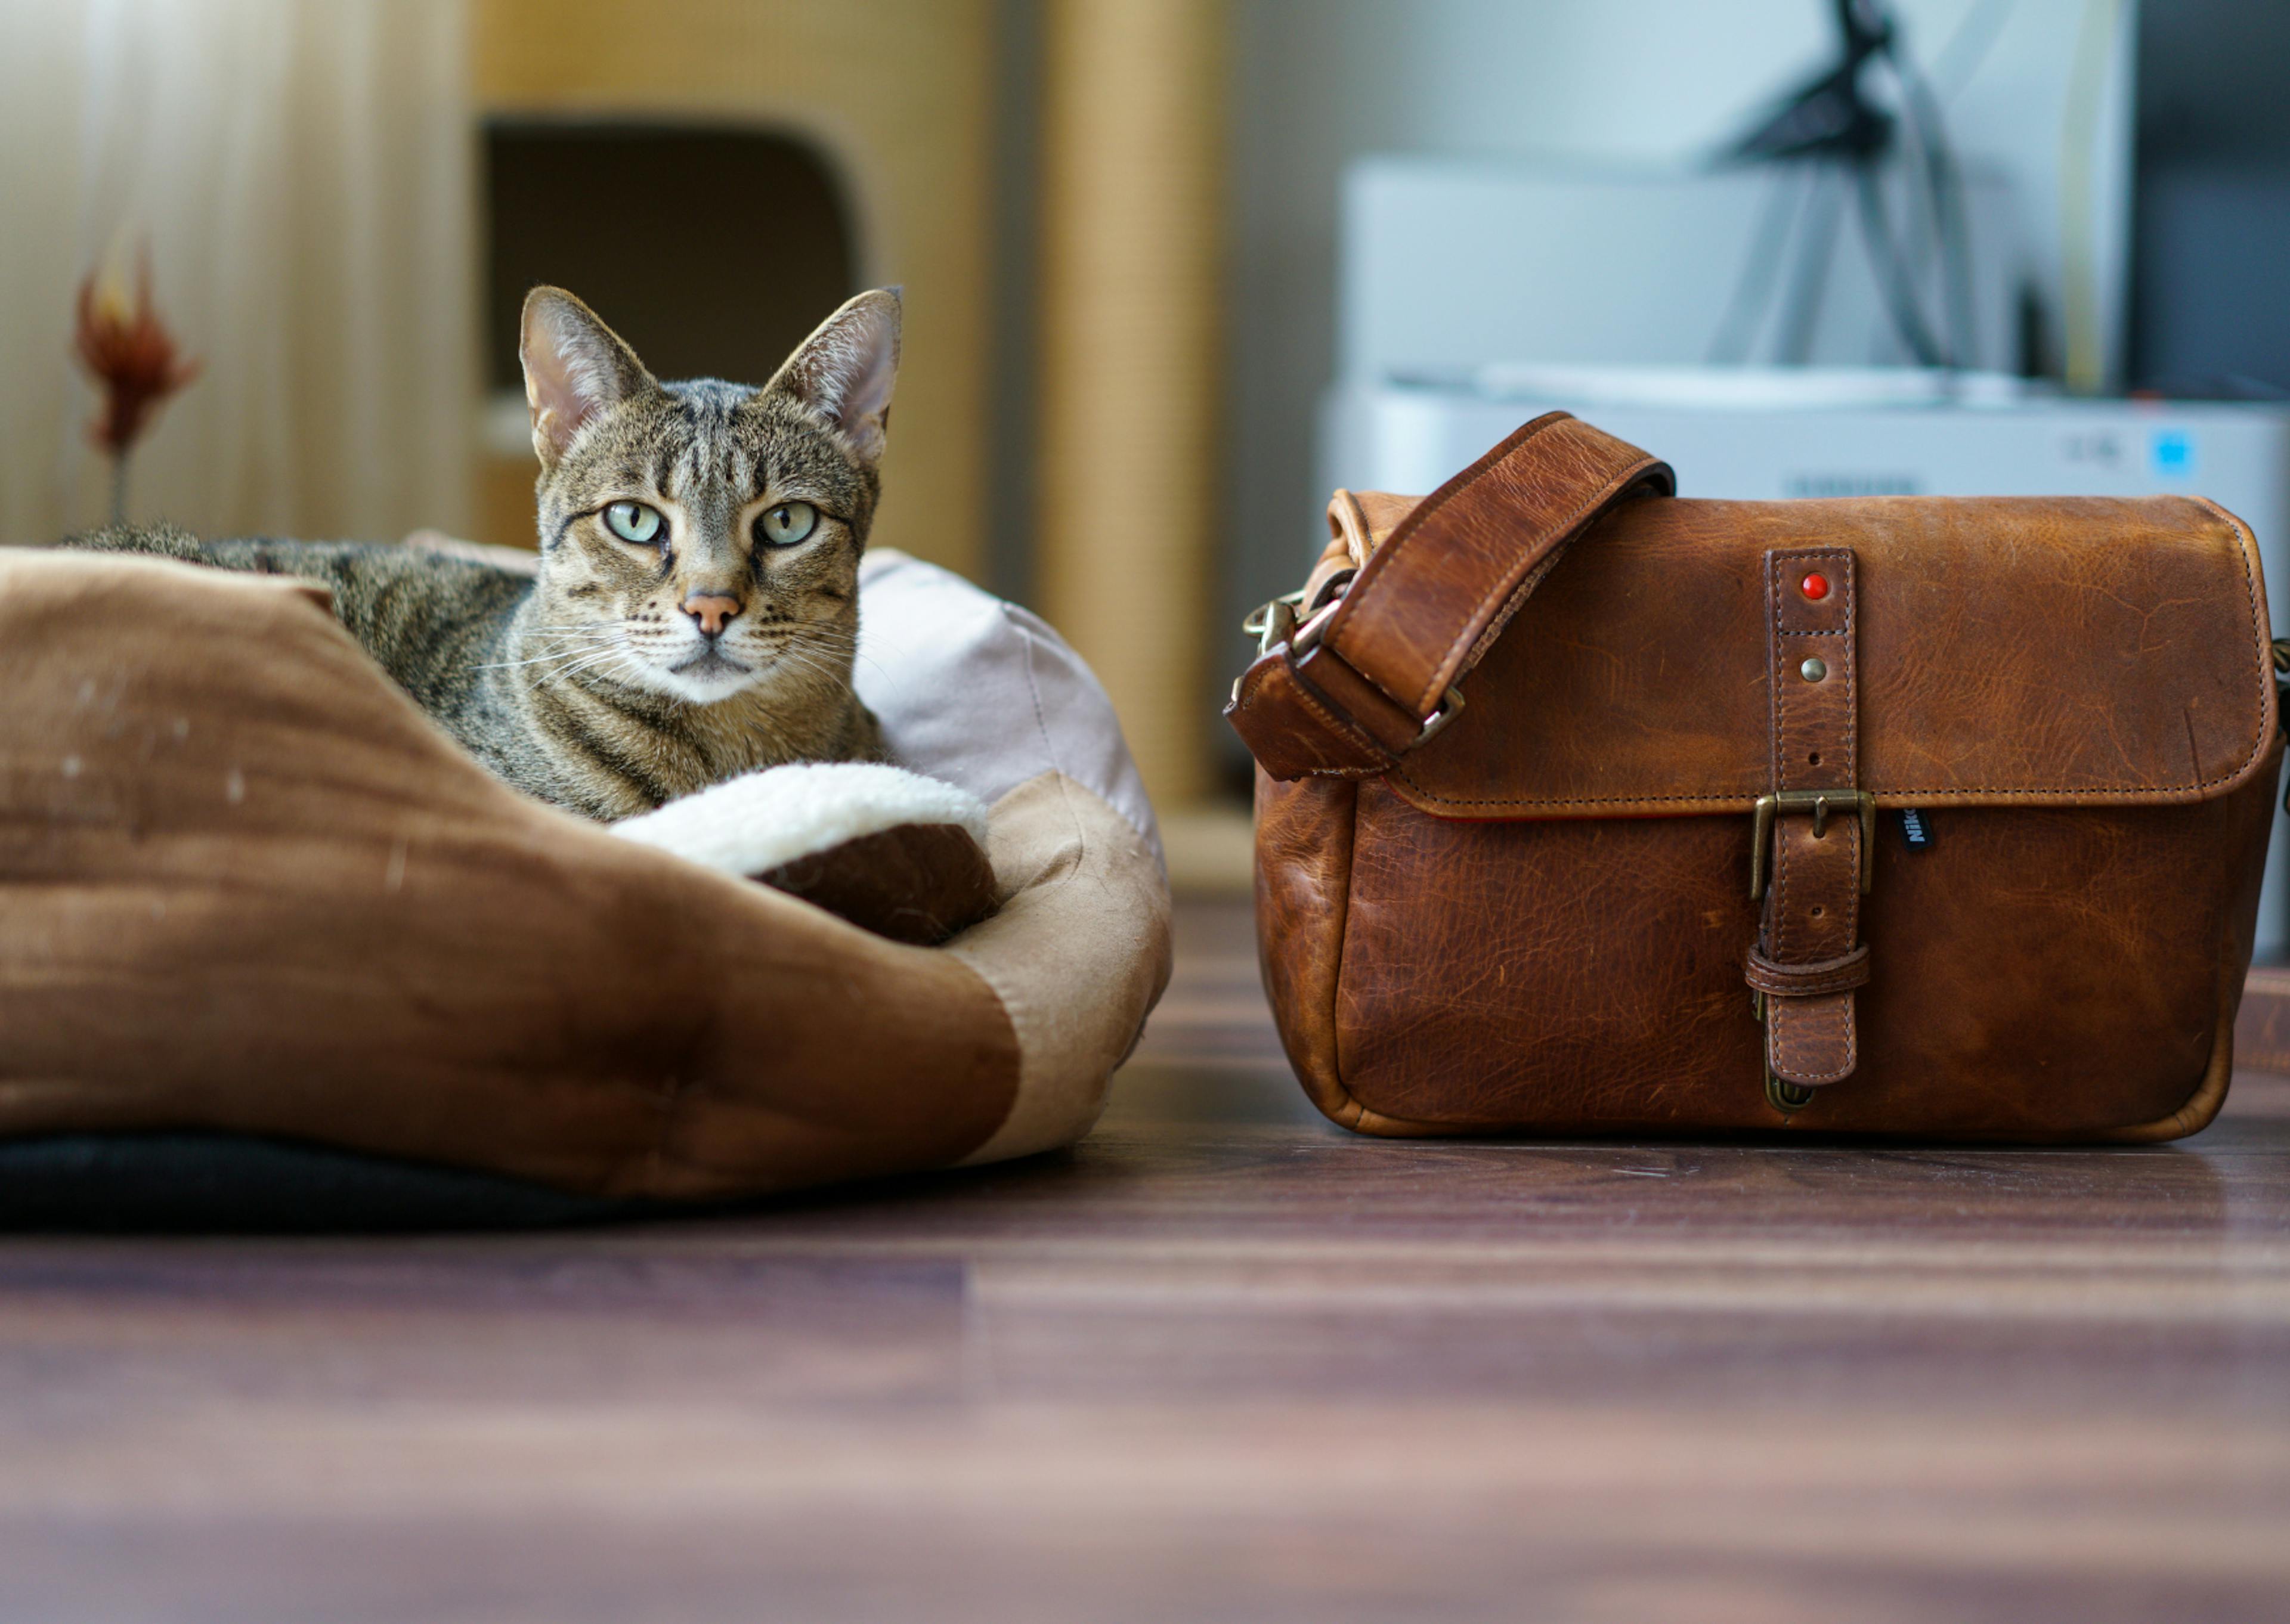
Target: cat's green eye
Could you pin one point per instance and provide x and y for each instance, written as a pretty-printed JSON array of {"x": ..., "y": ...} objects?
[
  {"x": 787, "y": 523},
  {"x": 634, "y": 522}
]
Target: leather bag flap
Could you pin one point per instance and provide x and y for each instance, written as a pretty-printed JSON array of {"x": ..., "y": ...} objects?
[{"x": 2013, "y": 651}]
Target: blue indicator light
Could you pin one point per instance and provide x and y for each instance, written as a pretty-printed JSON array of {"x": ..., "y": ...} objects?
[{"x": 2172, "y": 453}]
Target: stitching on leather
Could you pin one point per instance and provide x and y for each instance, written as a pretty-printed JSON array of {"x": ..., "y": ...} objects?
[
  {"x": 1345, "y": 731},
  {"x": 1336, "y": 980},
  {"x": 1852, "y": 1044},
  {"x": 1848, "y": 570},
  {"x": 1781, "y": 564},
  {"x": 1780, "y": 932},
  {"x": 1511, "y": 583},
  {"x": 1774, "y": 668},
  {"x": 1777, "y": 910},
  {"x": 1852, "y": 885},
  {"x": 2134, "y": 793},
  {"x": 1499, "y": 622},
  {"x": 1787, "y": 1033},
  {"x": 1786, "y": 1043},
  {"x": 1338, "y": 622},
  {"x": 1814, "y": 979},
  {"x": 2246, "y": 547},
  {"x": 1738, "y": 802}
]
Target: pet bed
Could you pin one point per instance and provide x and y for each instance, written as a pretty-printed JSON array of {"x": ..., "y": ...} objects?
[{"x": 248, "y": 890}]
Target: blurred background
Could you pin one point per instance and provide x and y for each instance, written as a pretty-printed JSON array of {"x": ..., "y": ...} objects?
[{"x": 1172, "y": 267}]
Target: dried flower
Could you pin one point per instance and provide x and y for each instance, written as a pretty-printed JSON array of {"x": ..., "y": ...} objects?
[{"x": 132, "y": 356}]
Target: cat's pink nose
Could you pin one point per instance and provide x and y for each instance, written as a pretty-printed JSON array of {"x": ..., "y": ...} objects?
[{"x": 712, "y": 611}]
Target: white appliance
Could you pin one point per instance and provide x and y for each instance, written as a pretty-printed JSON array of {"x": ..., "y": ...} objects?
[
  {"x": 1447, "y": 264},
  {"x": 1772, "y": 433}
]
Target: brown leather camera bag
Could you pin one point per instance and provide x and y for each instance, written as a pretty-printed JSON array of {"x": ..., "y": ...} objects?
[{"x": 1911, "y": 816}]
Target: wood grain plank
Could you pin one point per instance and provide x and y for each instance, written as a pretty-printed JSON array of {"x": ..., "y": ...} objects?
[{"x": 1221, "y": 1361}]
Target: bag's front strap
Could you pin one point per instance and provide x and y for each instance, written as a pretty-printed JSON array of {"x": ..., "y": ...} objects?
[{"x": 1362, "y": 684}]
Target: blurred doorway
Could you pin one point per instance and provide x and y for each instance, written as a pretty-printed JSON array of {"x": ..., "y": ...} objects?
[{"x": 714, "y": 250}]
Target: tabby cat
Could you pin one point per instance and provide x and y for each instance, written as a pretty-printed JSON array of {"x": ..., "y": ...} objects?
[{"x": 695, "y": 611}]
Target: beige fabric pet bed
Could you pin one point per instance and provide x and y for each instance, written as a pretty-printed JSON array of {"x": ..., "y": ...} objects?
[{"x": 246, "y": 887}]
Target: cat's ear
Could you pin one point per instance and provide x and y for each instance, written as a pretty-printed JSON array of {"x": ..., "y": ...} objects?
[
  {"x": 575, "y": 368},
  {"x": 845, "y": 371}
]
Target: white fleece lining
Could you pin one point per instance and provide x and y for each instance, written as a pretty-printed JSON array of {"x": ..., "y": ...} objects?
[{"x": 756, "y": 822}]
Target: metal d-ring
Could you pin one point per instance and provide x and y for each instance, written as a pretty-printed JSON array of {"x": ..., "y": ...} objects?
[{"x": 1278, "y": 622}]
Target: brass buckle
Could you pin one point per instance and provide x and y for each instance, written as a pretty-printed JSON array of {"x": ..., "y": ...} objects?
[
  {"x": 1274, "y": 623},
  {"x": 1819, "y": 803},
  {"x": 1271, "y": 624}
]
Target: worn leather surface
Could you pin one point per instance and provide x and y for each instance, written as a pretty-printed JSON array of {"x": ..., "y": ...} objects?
[
  {"x": 2041, "y": 974},
  {"x": 1452, "y": 571},
  {"x": 1303, "y": 881},
  {"x": 1813, "y": 897},
  {"x": 1537, "y": 921},
  {"x": 2012, "y": 652},
  {"x": 1352, "y": 690}
]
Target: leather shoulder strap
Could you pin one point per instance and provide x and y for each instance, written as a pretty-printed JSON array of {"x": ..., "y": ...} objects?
[{"x": 1356, "y": 687}]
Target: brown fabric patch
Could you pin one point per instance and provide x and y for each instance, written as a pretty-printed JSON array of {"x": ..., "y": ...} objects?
[
  {"x": 246, "y": 884},
  {"x": 919, "y": 882}
]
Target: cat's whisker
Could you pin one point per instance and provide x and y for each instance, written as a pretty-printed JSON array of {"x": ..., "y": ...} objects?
[
  {"x": 543, "y": 659},
  {"x": 826, "y": 645},
  {"x": 565, "y": 650},
  {"x": 609, "y": 657},
  {"x": 558, "y": 652},
  {"x": 806, "y": 667},
  {"x": 852, "y": 651},
  {"x": 790, "y": 651}
]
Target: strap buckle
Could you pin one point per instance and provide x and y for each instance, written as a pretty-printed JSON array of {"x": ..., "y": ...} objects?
[
  {"x": 1292, "y": 620},
  {"x": 1306, "y": 638},
  {"x": 1274, "y": 623},
  {"x": 1819, "y": 803}
]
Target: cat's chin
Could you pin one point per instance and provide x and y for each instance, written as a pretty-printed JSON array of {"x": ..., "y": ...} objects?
[{"x": 707, "y": 678}]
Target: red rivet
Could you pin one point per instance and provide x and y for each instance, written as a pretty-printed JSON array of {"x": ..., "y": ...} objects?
[{"x": 1815, "y": 587}]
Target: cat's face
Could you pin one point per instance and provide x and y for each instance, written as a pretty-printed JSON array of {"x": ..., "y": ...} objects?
[{"x": 701, "y": 540}]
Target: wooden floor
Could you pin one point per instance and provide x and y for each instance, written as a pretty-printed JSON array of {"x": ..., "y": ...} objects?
[{"x": 1224, "y": 1362}]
